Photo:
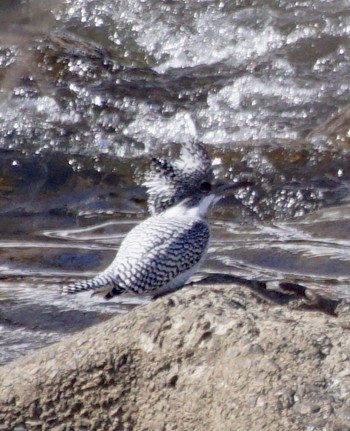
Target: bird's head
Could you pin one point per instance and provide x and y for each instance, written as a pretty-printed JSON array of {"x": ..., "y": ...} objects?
[
  {"x": 189, "y": 181},
  {"x": 169, "y": 183}
]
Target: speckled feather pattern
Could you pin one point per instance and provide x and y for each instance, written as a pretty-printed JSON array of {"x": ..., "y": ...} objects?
[
  {"x": 153, "y": 255},
  {"x": 158, "y": 250}
]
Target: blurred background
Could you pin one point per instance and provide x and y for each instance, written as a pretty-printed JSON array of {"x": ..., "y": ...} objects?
[{"x": 90, "y": 90}]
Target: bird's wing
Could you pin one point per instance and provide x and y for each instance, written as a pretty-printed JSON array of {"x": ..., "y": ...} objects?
[{"x": 148, "y": 264}]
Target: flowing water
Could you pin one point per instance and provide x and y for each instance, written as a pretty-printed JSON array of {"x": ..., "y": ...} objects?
[{"x": 90, "y": 90}]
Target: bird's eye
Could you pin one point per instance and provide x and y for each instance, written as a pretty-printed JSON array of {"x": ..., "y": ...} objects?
[{"x": 205, "y": 187}]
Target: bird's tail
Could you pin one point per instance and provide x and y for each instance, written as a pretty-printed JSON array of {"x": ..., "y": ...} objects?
[{"x": 91, "y": 284}]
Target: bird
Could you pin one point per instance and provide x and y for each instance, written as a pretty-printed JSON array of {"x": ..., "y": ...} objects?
[{"x": 160, "y": 254}]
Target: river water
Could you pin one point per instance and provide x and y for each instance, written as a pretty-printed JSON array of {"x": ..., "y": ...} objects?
[{"x": 90, "y": 90}]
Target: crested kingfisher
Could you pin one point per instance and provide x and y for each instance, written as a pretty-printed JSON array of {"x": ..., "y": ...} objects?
[{"x": 161, "y": 253}]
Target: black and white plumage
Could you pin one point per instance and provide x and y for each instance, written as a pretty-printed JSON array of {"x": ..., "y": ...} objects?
[
  {"x": 160, "y": 254},
  {"x": 169, "y": 183}
]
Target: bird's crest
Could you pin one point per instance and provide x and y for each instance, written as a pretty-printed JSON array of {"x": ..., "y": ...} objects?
[{"x": 168, "y": 182}]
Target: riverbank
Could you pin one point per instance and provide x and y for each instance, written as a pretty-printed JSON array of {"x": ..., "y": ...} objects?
[{"x": 214, "y": 357}]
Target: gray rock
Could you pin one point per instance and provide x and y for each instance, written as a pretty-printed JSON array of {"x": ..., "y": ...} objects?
[{"x": 205, "y": 358}]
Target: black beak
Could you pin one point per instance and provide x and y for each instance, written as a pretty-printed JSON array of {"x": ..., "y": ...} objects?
[{"x": 220, "y": 187}]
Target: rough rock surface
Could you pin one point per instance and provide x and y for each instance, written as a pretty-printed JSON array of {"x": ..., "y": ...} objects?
[{"x": 205, "y": 358}]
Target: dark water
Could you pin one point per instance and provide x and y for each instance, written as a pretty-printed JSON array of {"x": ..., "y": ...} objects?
[{"x": 89, "y": 90}]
